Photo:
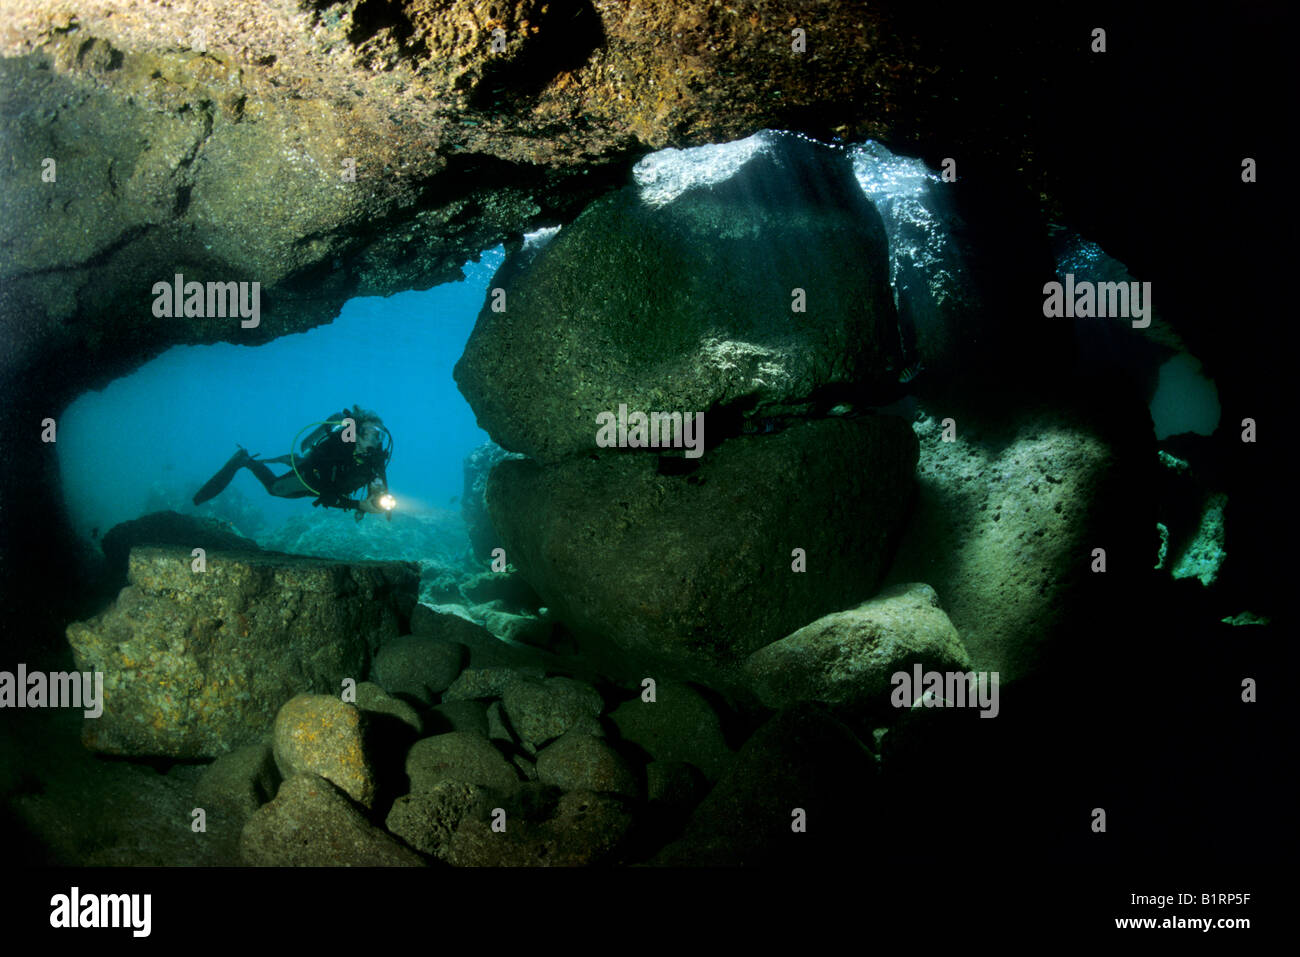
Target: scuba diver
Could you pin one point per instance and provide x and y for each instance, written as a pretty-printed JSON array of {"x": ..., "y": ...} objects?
[{"x": 347, "y": 452}]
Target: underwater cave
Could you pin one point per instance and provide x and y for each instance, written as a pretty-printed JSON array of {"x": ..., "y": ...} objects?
[{"x": 651, "y": 446}]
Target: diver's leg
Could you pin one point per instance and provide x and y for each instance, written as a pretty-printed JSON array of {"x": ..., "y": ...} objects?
[
  {"x": 264, "y": 474},
  {"x": 289, "y": 485},
  {"x": 217, "y": 484},
  {"x": 283, "y": 486}
]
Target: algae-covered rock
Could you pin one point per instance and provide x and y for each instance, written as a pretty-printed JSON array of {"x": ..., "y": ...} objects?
[
  {"x": 1192, "y": 510},
  {"x": 319, "y": 734},
  {"x": 196, "y": 663},
  {"x": 694, "y": 572},
  {"x": 169, "y": 528},
  {"x": 268, "y": 141},
  {"x": 690, "y": 303},
  {"x": 679, "y": 725},
  {"x": 849, "y": 657},
  {"x": 311, "y": 824},
  {"x": 1203, "y": 556}
]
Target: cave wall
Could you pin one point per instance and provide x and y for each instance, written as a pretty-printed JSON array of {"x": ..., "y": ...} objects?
[{"x": 213, "y": 139}]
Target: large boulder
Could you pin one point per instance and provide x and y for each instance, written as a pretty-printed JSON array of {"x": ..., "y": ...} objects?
[
  {"x": 168, "y": 528},
  {"x": 1010, "y": 512},
  {"x": 198, "y": 663},
  {"x": 693, "y": 572},
  {"x": 473, "y": 509},
  {"x": 682, "y": 300}
]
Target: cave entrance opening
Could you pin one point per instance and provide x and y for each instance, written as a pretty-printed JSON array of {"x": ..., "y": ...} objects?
[{"x": 150, "y": 440}]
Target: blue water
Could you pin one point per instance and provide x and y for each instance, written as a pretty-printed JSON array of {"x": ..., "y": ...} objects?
[{"x": 151, "y": 439}]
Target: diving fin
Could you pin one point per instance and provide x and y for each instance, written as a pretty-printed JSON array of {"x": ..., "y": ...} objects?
[{"x": 217, "y": 484}]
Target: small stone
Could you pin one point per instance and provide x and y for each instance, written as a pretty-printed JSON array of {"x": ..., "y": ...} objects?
[
  {"x": 458, "y": 756},
  {"x": 541, "y": 710},
  {"x": 372, "y": 698},
  {"x": 460, "y": 715},
  {"x": 239, "y": 783},
  {"x": 581, "y": 762},
  {"x": 418, "y": 667},
  {"x": 675, "y": 783},
  {"x": 679, "y": 725},
  {"x": 585, "y": 829},
  {"x": 427, "y": 820}
]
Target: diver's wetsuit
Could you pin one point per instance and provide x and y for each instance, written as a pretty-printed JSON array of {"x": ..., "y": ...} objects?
[{"x": 329, "y": 470}]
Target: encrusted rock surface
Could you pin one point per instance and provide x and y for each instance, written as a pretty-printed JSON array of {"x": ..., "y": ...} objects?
[
  {"x": 849, "y": 657},
  {"x": 693, "y": 572},
  {"x": 320, "y": 734},
  {"x": 213, "y": 140},
  {"x": 1010, "y": 512},
  {"x": 749, "y": 298},
  {"x": 311, "y": 824},
  {"x": 198, "y": 663}
]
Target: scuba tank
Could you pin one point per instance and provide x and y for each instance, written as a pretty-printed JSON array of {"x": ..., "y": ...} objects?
[{"x": 322, "y": 432}]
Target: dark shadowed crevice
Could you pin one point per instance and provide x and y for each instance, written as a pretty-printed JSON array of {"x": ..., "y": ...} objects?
[{"x": 569, "y": 32}]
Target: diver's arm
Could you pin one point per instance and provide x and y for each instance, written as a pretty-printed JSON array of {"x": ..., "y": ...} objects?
[
  {"x": 334, "y": 500},
  {"x": 346, "y": 504}
]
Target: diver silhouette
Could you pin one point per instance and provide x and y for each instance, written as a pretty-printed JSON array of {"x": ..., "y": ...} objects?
[{"x": 348, "y": 451}]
